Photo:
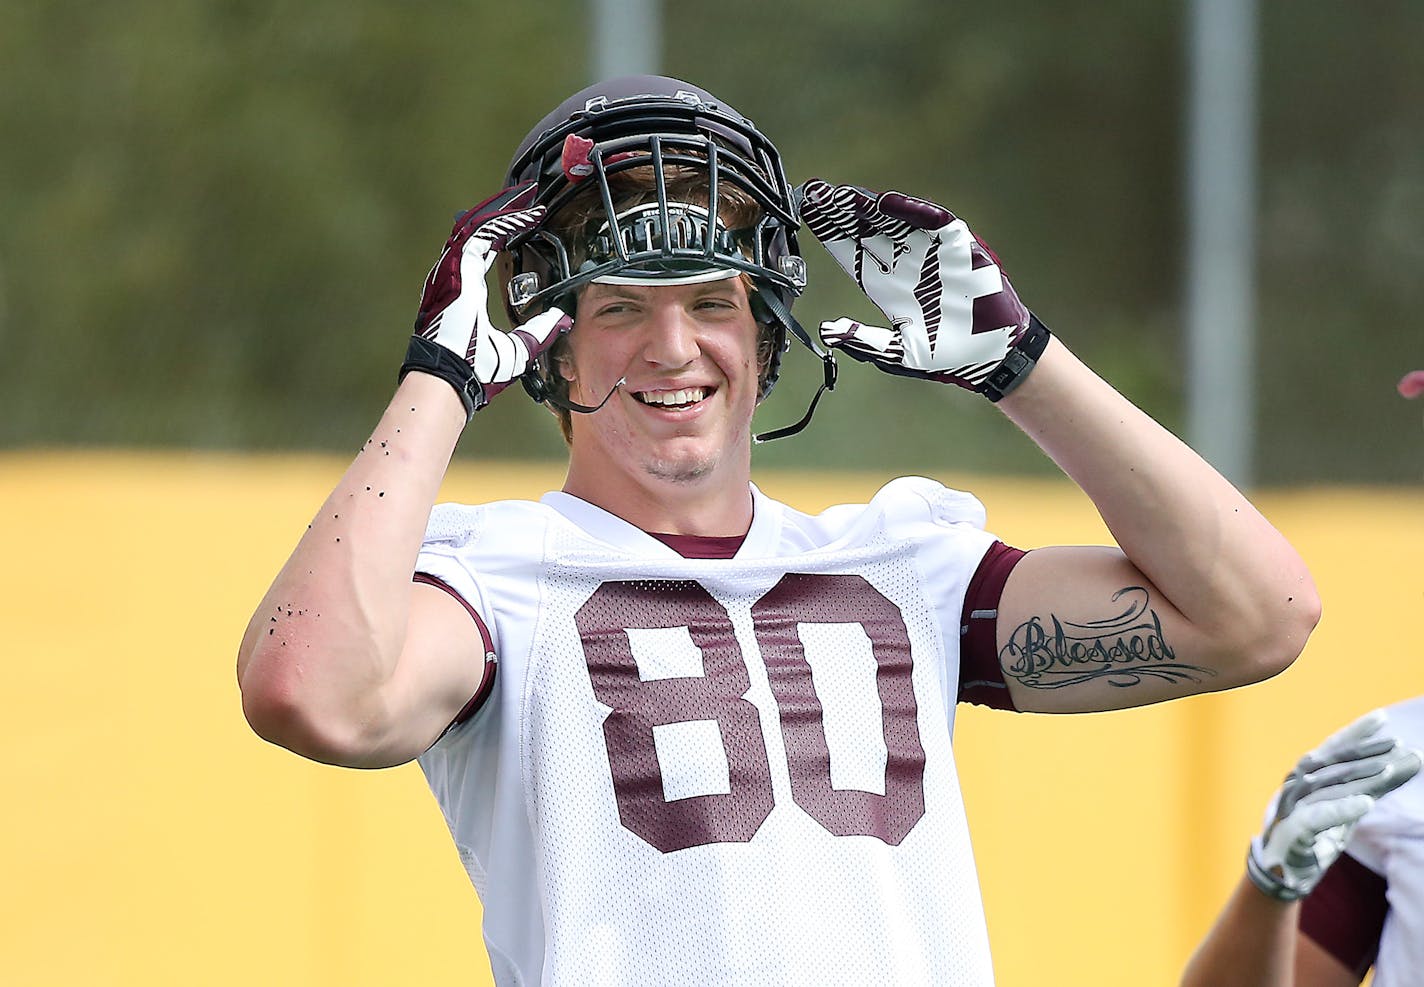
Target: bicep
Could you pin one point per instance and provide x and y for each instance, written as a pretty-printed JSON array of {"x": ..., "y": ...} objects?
[
  {"x": 441, "y": 668},
  {"x": 1080, "y": 628}
]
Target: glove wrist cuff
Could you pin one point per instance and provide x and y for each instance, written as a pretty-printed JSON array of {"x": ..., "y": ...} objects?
[
  {"x": 1018, "y": 362},
  {"x": 1269, "y": 884},
  {"x": 431, "y": 358}
]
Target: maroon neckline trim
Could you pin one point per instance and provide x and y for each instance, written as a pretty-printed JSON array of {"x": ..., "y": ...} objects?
[{"x": 702, "y": 546}]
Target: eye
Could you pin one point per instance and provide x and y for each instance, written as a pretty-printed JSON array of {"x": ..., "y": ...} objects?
[
  {"x": 716, "y": 303},
  {"x": 612, "y": 309}
]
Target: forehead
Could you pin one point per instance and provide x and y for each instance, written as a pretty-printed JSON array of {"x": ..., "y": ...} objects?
[{"x": 674, "y": 292}]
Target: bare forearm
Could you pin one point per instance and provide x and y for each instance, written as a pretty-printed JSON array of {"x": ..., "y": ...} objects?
[
  {"x": 333, "y": 622},
  {"x": 1252, "y": 944},
  {"x": 1222, "y": 565}
]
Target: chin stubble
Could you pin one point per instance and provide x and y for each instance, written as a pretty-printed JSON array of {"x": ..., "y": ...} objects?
[{"x": 678, "y": 472}]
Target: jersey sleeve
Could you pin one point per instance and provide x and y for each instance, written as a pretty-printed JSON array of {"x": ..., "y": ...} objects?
[
  {"x": 487, "y": 676},
  {"x": 964, "y": 568},
  {"x": 443, "y": 564},
  {"x": 981, "y": 677},
  {"x": 1345, "y": 914},
  {"x": 947, "y": 506}
]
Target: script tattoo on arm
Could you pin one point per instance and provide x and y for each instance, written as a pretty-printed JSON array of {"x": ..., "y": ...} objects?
[{"x": 1125, "y": 649}]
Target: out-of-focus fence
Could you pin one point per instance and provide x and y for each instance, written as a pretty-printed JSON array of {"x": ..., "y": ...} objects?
[{"x": 215, "y": 217}]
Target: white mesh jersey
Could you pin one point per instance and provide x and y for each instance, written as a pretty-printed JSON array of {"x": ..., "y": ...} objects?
[
  {"x": 717, "y": 772},
  {"x": 1389, "y": 840}
]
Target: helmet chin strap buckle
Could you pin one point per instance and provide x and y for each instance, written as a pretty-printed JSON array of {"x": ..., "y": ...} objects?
[
  {"x": 795, "y": 270},
  {"x": 523, "y": 287}
]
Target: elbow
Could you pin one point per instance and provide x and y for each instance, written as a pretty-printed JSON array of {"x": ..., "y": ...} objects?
[
  {"x": 280, "y": 713},
  {"x": 1294, "y": 622},
  {"x": 276, "y": 713},
  {"x": 1281, "y": 632}
]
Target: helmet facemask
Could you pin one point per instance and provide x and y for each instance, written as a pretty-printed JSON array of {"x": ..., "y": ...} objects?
[{"x": 663, "y": 236}]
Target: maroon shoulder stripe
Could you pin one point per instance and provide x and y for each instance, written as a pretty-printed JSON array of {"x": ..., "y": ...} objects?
[
  {"x": 981, "y": 679},
  {"x": 486, "y": 685},
  {"x": 1345, "y": 913}
]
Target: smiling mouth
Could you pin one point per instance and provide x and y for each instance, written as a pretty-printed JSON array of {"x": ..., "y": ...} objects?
[{"x": 684, "y": 397}]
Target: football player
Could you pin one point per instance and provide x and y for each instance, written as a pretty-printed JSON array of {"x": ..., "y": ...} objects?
[
  {"x": 1333, "y": 884},
  {"x": 683, "y": 733}
]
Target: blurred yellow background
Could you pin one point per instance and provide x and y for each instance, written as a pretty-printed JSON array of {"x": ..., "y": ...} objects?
[{"x": 149, "y": 838}]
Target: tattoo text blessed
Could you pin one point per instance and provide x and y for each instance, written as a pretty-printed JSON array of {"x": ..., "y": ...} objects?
[{"x": 1125, "y": 649}]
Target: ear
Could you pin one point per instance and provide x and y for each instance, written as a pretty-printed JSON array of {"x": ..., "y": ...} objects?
[
  {"x": 558, "y": 359},
  {"x": 562, "y": 363},
  {"x": 560, "y": 355}
]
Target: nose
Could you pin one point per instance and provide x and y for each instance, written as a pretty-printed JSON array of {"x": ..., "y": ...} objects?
[{"x": 672, "y": 340}]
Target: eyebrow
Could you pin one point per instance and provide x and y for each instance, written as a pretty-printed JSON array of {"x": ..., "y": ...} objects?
[
  {"x": 614, "y": 290},
  {"x": 635, "y": 292},
  {"x": 717, "y": 287}
]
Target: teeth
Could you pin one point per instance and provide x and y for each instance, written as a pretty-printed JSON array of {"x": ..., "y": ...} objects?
[{"x": 687, "y": 395}]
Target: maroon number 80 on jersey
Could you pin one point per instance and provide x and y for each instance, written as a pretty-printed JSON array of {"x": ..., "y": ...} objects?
[{"x": 718, "y": 695}]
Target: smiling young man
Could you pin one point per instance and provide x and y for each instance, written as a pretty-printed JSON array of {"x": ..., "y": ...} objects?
[{"x": 680, "y": 730}]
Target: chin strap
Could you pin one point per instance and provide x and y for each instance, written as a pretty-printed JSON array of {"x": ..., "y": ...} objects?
[
  {"x": 582, "y": 409},
  {"x": 828, "y": 366}
]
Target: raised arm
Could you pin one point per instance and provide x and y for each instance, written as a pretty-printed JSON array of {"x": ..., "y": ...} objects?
[
  {"x": 1199, "y": 593},
  {"x": 345, "y": 660},
  {"x": 1255, "y": 942}
]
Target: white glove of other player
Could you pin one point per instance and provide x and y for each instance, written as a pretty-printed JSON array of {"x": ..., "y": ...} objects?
[
  {"x": 1317, "y": 808},
  {"x": 953, "y": 315},
  {"x": 454, "y": 338}
]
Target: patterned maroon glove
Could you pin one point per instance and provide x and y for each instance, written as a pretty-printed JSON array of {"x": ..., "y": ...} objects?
[
  {"x": 954, "y": 317},
  {"x": 454, "y": 338}
]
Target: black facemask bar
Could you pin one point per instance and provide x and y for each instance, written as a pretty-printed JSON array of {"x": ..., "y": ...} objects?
[
  {"x": 690, "y": 247},
  {"x": 675, "y": 242}
]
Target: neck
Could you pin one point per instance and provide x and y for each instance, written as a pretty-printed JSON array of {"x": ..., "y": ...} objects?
[{"x": 717, "y": 504}]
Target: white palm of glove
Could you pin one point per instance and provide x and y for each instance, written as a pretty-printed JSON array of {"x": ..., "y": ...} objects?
[
  {"x": 464, "y": 327},
  {"x": 953, "y": 315},
  {"x": 1322, "y": 800},
  {"x": 454, "y": 304}
]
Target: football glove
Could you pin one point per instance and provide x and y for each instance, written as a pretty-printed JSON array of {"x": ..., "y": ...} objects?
[
  {"x": 953, "y": 315},
  {"x": 1321, "y": 801},
  {"x": 454, "y": 338}
]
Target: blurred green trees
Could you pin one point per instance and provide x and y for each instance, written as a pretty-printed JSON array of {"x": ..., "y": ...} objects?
[{"x": 215, "y": 216}]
